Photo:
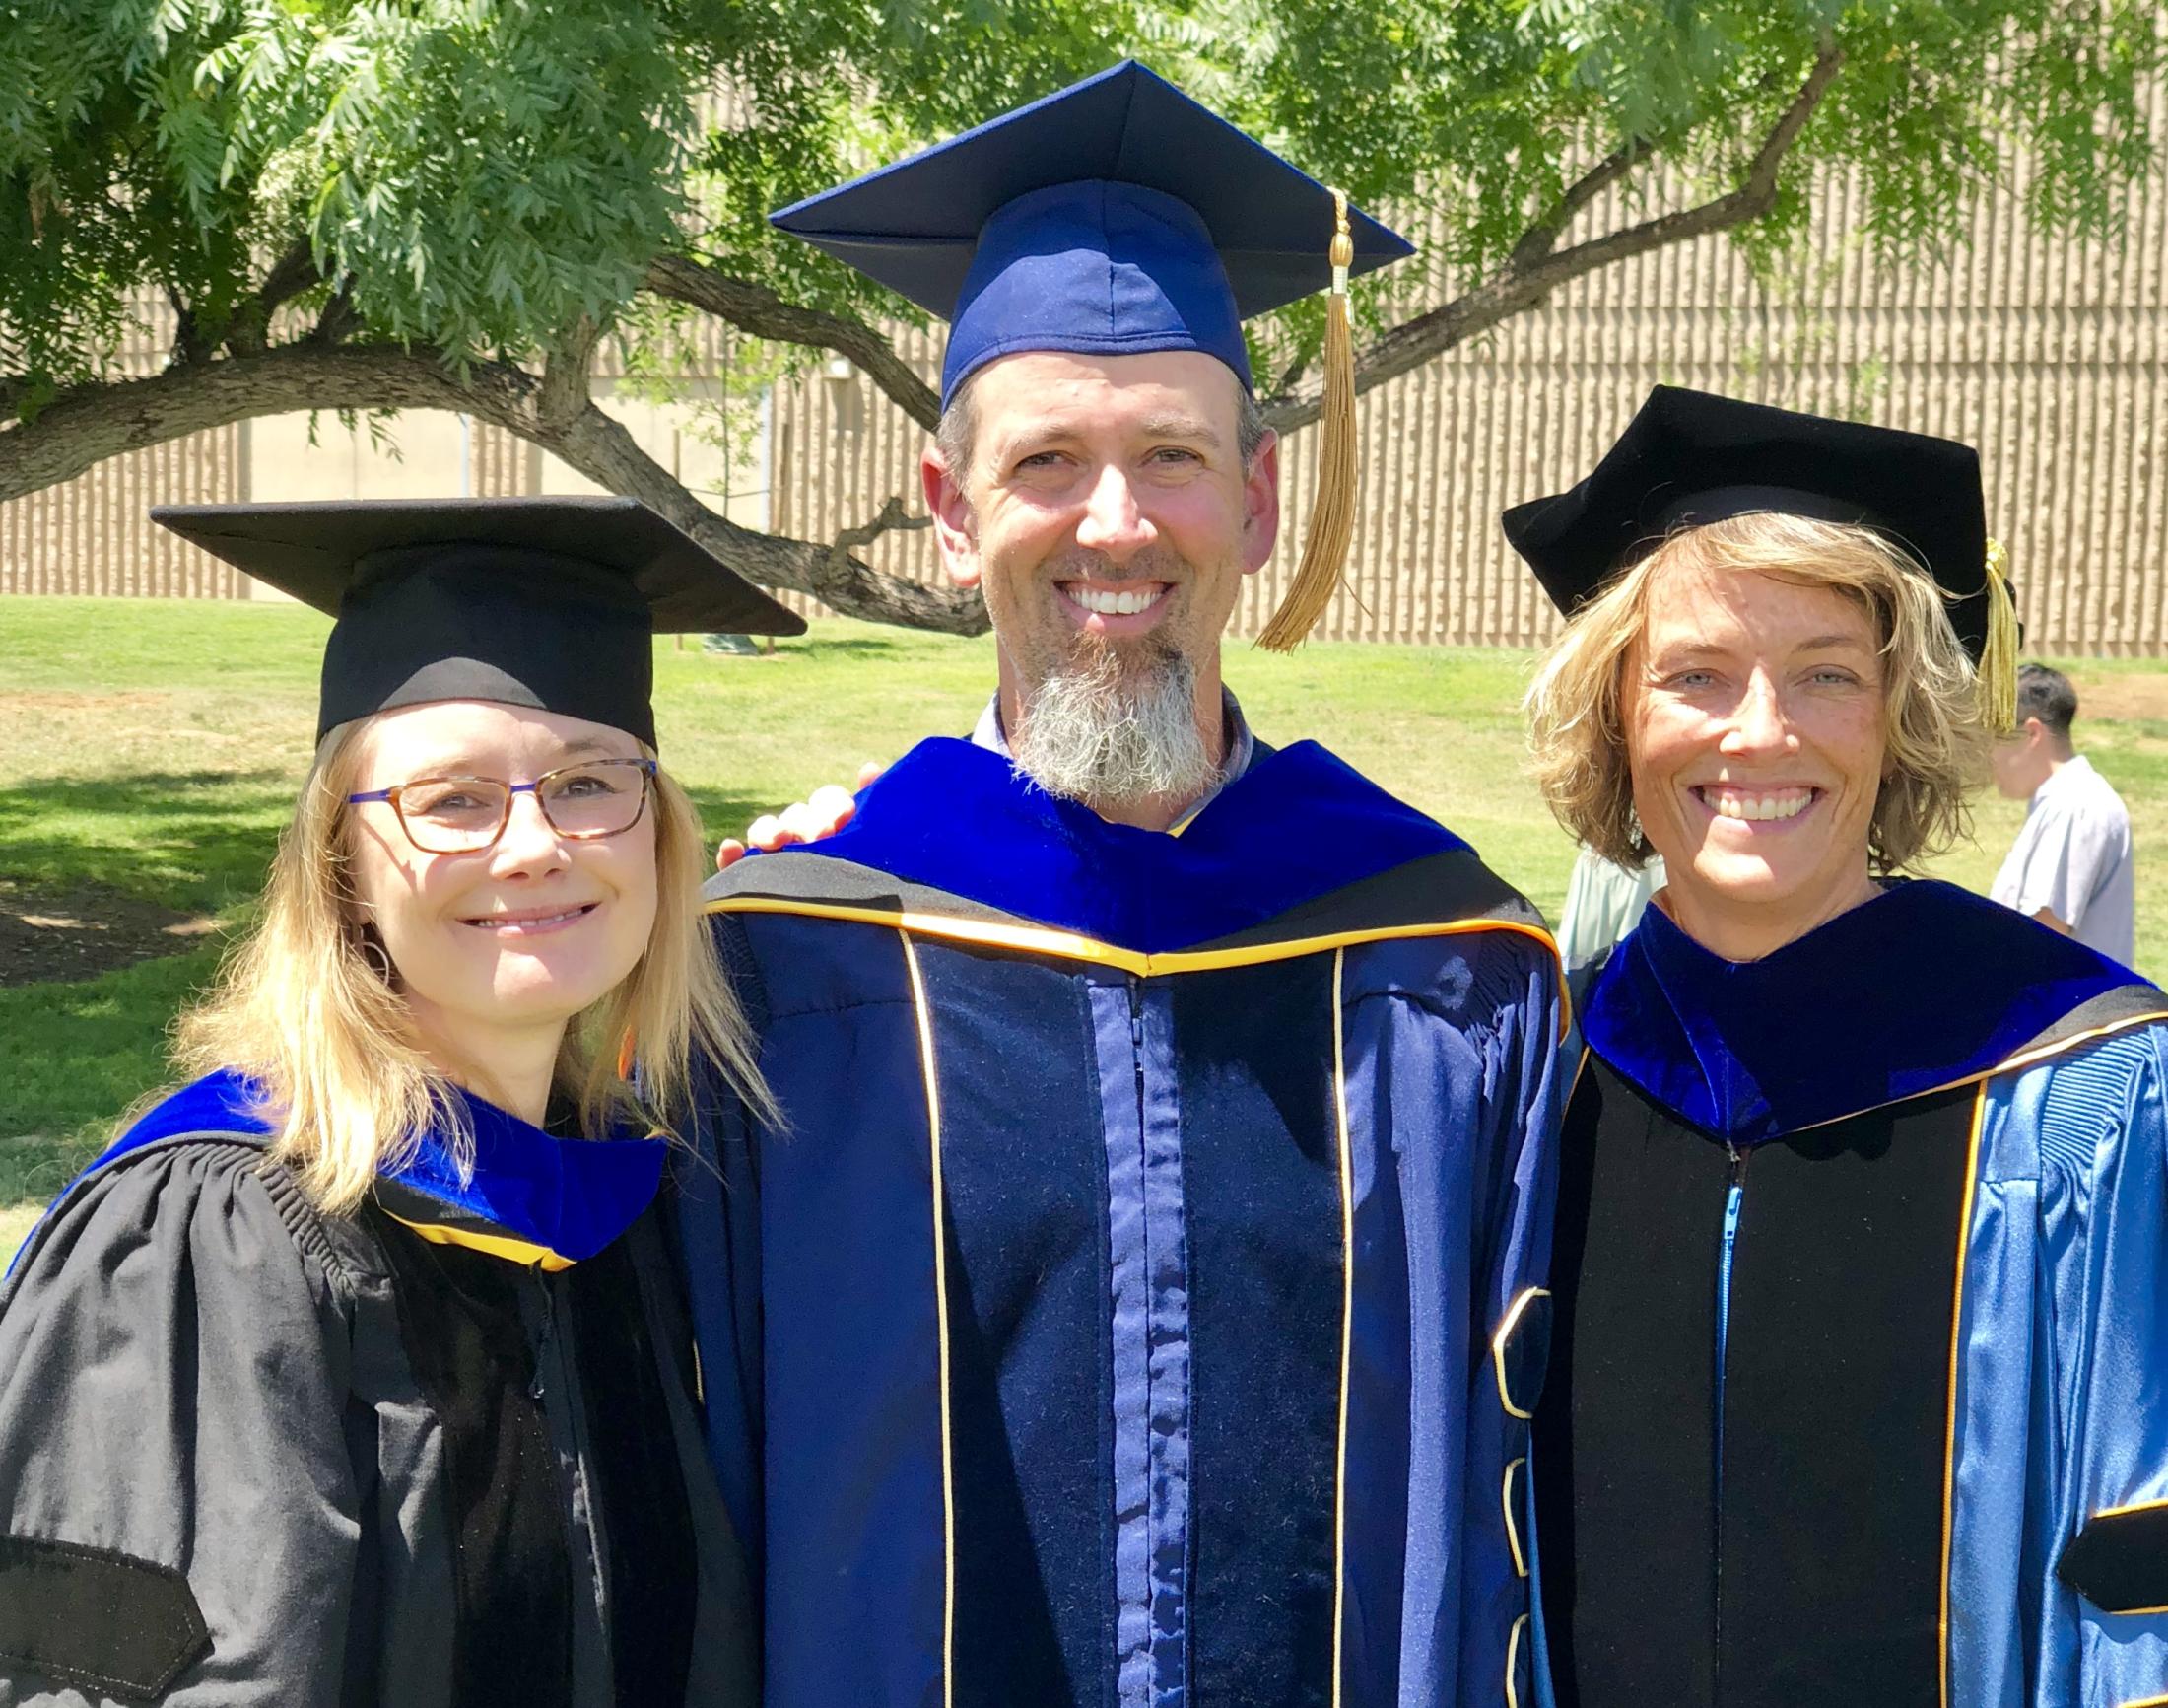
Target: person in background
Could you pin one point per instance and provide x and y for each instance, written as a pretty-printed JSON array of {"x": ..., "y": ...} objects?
[
  {"x": 2071, "y": 865},
  {"x": 1604, "y": 901},
  {"x": 357, "y": 1371},
  {"x": 1858, "y": 1394},
  {"x": 1138, "y": 1305}
]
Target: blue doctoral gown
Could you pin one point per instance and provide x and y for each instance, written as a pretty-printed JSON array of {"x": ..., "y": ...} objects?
[
  {"x": 1129, "y": 1313},
  {"x": 1859, "y": 1393}
]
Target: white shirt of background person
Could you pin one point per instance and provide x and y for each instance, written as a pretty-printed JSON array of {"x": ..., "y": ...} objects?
[{"x": 2071, "y": 865}]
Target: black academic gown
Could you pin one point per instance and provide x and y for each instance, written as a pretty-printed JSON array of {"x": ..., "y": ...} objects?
[
  {"x": 251, "y": 1453},
  {"x": 1819, "y": 1429}
]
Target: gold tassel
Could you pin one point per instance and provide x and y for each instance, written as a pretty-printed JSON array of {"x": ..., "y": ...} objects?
[
  {"x": 1332, "y": 514},
  {"x": 1999, "y": 654}
]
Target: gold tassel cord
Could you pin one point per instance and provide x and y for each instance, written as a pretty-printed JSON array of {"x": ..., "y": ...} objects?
[
  {"x": 1332, "y": 514},
  {"x": 1999, "y": 655}
]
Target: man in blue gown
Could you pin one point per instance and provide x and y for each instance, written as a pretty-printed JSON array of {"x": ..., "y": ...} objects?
[{"x": 1139, "y": 1303}]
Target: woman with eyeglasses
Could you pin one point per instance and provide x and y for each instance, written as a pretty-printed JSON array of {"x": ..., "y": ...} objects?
[{"x": 356, "y": 1370}]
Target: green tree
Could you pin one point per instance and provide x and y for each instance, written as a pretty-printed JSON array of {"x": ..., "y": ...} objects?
[{"x": 392, "y": 204}]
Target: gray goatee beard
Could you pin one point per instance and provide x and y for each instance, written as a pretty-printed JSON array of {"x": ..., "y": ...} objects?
[{"x": 1116, "y": 733}]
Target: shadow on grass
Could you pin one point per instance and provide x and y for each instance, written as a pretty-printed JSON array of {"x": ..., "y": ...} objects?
[
  {"x": 74, "y": 1057},
  {"x": 197, "y": 840},
  {"x": 727, "y": 811},
  {"x": 844, "y": 647}
]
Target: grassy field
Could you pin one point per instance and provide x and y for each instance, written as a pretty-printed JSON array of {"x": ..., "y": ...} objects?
[{"x": 150, "y": 750}]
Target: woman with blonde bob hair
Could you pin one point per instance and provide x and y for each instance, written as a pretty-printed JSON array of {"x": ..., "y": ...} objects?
[
  {"x": 357, "y": 1369},
  {"x": 1860, "y": 1292}
]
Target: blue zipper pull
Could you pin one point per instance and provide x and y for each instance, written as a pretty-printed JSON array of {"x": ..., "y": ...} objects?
[{"x": 1723, "y": 1289}]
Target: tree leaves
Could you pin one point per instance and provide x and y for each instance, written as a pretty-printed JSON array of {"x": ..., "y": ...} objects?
[{"x": 477, "y": 176}]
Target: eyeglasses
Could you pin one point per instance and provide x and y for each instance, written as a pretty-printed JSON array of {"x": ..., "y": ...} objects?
[{"x": 467, "y": 814}]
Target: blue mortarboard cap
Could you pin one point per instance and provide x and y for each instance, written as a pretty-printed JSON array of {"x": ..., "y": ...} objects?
[{"x": 1116, "y": 217}]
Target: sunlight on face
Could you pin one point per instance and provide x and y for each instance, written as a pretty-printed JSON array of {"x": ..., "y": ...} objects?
[
  {"x": 1756, "y": 742},
  {"x": 522, "y": 934},
  {"x": 1110, "y": 510}
]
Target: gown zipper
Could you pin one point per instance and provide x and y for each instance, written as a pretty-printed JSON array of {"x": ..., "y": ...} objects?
[
  {"x": 1731, "y": 1199},
  {"x": 1733, "y": 1194},
  {"x": 547, "y": 1331},
  {"x": 1136, "y": 1043}
]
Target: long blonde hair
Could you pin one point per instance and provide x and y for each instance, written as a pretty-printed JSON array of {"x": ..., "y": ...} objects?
[
  {"x": 303, "y": 1006},
  {"x": 1936, "y": 743}
]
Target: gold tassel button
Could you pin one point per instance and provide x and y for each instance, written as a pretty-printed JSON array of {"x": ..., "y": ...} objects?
[
  {"x": 1999, "y": 654},
  {"x": 1332, "y": 515}
]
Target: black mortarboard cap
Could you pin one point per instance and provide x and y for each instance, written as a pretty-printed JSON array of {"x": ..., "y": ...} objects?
[
  {"x": 548, "y": 602},
  {"x": 1115, "y": 216},
  {"x": 1690, "y": 457}
]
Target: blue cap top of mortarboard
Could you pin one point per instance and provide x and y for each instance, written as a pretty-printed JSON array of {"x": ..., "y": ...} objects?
[{"x": 1115, "y": 216}]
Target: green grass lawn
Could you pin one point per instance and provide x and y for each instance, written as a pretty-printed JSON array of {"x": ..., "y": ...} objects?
[{"x": 150, "y": 749}]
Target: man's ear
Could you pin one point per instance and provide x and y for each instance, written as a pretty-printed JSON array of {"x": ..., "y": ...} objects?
[
  {"x": 955, "y": 526},
  {"x": 1260, "y": 504}
]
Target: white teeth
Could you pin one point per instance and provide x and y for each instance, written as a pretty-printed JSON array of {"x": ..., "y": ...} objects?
[
  {"x": 546, "y": 919},
  {"x": 1731, "y": 804},
  {"x": 1127, "y": 603}
]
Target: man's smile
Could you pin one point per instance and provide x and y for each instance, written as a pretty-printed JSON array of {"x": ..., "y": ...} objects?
[{"x": 1114, "y": 607}]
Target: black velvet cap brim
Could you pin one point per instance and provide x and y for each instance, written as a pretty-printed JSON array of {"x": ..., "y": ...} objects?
[
  {"x": 551, "y": 603},
  {"x": 1690, "y": 457}
]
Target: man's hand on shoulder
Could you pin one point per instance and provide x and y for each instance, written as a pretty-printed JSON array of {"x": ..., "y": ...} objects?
[{"x": 822, "y": 814}]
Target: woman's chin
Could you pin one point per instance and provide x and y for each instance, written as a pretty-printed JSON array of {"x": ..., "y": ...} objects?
[
  {"x": 529, "y": 999},
  {"x": 1742, "y": 880}
]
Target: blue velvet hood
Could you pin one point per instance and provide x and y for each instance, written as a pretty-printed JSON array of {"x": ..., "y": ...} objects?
[{"x": 1924, "y": 987}]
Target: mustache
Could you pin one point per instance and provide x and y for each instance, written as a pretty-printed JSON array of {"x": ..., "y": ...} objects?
[{"x": 1153, "y": 564}]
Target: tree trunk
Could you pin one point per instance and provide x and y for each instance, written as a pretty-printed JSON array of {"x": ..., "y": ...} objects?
[{"x": 89, "y": 424}]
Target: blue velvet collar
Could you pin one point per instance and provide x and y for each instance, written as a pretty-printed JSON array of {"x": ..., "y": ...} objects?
[
  {"x": 1295, "y": 826},
  {"x": 532, "y": 1197},
  {"x": 1926, "y": 986}
]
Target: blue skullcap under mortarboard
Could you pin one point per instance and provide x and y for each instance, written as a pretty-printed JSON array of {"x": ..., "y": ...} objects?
[{"x": 1116, "y": 217}]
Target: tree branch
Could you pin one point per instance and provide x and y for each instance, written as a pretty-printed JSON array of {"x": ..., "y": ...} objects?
[
  {"x": 338, "y": 320},
  {"x": 891, "y": 518},
  {"x": 289, "y": 275},
  {"x": 1298, "y": 364},
  {"x": 567, "y": 376},
  {"x": 599, "y": 446},
  {"x": 1541, "y": 239},
  {"x": 85, "y": 425},
  {"x": 1518, "y": 286},
  {"x": 757, "y": 310},
  {"x": 189, "y": 342},
  {"x": 248, "y": 332}
]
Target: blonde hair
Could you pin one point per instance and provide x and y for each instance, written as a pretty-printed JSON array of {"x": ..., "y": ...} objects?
[
  {"x": 1936, "y": 743},
  {"x": 302, "y": 1007}
]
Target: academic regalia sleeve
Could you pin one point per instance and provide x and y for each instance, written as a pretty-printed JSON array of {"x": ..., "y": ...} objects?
[
  {"x": 1520, "y": 1113},
  {"x": 718, "y": 1217},
  {"x": 2103, "y": 1127},
  {"x": 178, "y": 1504},
  {"x": 1454, "y": 1054}
]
